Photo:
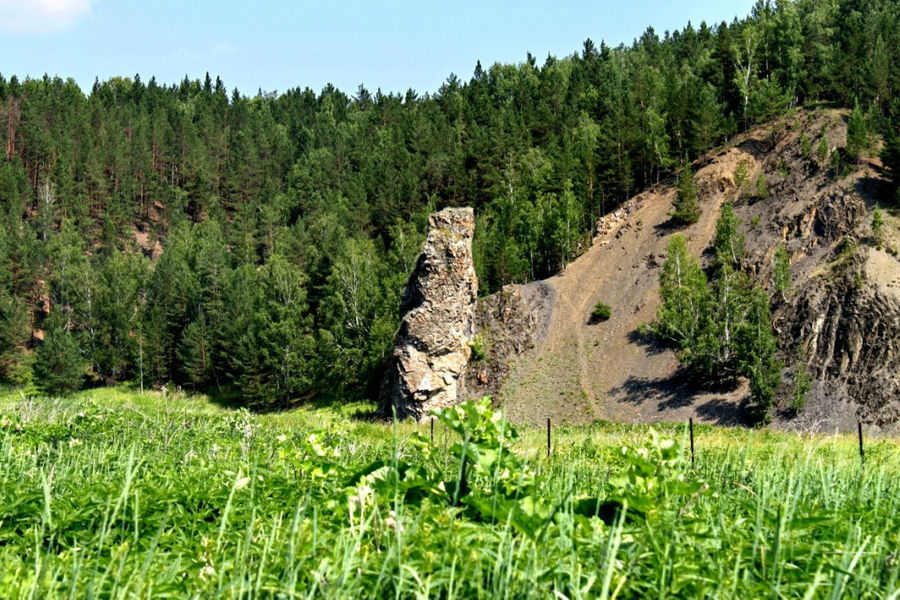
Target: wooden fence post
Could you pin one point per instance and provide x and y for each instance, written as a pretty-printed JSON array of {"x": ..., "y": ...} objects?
[
  {"x": 548, "y": 436},
  {"x": 691, "y": 427},
  {"x": 862, "y": 455}
]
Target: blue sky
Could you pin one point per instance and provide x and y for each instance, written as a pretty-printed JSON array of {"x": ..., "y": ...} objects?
[{"x": 280, "y": 44}]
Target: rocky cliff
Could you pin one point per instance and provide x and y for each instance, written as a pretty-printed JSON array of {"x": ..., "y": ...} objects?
[
  {"x": 431, "y": 348},
  {"x": 845, "y": 331},
  {"x": 793, "y": 186},
  {"x": 540, "y": 355},
  {"x": 840, "y": 321}
]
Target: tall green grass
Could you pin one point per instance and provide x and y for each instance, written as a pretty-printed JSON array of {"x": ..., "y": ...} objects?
[{"x": 117, "y": 495}]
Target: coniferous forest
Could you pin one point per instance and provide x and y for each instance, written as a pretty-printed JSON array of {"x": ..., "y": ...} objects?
[{"x": 190, "y": 235}]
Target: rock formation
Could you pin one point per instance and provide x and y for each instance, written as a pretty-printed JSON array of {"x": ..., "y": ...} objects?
[
  {"x": 540, "y": 355},
  {"x": 844, "y": 326},
  {"x": 840, "y": 320},
  {"x": 510, "y": 323},
  {"x": 431, "y": 348}
]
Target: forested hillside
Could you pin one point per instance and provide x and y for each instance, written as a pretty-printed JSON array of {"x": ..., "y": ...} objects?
[{"x": 184, "y": 234}]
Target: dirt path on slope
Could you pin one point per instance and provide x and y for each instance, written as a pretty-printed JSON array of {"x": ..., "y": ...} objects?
[{"x": 583, "y": 371}]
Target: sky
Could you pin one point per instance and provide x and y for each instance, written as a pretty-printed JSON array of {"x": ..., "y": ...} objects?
[{"x": 275, "y": 45}]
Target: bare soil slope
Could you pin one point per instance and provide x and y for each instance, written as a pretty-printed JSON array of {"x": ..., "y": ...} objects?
[
  {"x": 581, "y": 371},
  {"x": 584, "y": 371}
]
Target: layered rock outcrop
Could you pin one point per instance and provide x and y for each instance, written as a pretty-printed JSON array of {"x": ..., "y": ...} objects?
[
  {"x": 846, "y": 329},
  {"x": 839, "y": 323},
  {"x": 431, "y": 348}
]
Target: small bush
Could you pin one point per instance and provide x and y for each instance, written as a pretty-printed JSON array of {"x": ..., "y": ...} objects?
[
  {"x": 837, "y": 163},
  {"x": 822, "y": 150},
  {"x": 783, "y": 169},
  {"x": 878, "y": 227},
  {"x": 800, "y": 388},
  {"x": 479, "y": 348},
  {"x": 741, "y": 175},
  {"x": 601, "y": 312},
  {"x": 754, "y": 222},
  {"x": 762, "y": 187},
  {"x": 805, "y": 146}
]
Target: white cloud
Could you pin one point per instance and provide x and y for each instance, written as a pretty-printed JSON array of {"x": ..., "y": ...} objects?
[{"x": 28, "y": 16}]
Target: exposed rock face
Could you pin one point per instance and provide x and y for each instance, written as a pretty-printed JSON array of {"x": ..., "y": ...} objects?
[
  {"x": 511, "y": 322},
  {"x": 438, "y": 307},
  {"x": 845, "y": 328},
  {"x": 840, "y": 321}
]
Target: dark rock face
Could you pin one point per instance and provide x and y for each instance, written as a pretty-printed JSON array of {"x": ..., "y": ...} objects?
[
  {"x": 438, "y": 307},
  {"x": 846, "y": 328},
  {"x": 840, "y": 319},
  {"x": 510, "y": 322},
  {"x": 838, "y": 215}
]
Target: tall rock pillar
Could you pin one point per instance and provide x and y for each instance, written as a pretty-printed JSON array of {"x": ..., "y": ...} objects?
[{"x": 438, "y": 320}]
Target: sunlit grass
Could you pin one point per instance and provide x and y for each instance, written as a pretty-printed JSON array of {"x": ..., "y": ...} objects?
[{"x": 117, "y": 494}]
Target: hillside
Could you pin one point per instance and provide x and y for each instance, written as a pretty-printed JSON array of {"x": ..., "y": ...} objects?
[
  {"x": 818, "y": 209},
  {"x": 181, "y": 235}
]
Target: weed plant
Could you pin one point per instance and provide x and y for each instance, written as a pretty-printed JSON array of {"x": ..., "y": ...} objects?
[{"x": 601, "y": 312}]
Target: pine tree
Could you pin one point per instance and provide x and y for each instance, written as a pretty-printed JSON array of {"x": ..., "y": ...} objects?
[
  {"x": 858, "y": 134},
  {"x": 59, "y": 366},
  {"x": 123, "y": 278},
  {"x": 14, "y": 332},
  {"x": 195, "y": 353},
  {"x": 276, "y": 353},
  {"x": 729, "y": 241},
  {"x": 171, "y": 292},
  {"x": 822, "y": 151},
  {"x": 686, "y": 209}
]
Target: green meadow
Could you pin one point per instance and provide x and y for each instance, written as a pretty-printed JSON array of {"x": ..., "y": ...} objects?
[{"x": 116, "y": 494}]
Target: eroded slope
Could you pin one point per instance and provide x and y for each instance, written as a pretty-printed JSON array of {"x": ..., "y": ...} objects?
[{"x": 791, "y": 196}]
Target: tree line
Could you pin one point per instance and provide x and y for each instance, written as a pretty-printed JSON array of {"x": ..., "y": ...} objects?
[{"x": 288, "y": 222}]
